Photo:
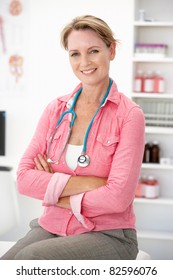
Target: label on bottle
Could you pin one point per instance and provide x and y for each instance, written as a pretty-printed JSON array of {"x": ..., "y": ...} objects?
[
  {"x": 151, "y": 191},
  {"x": 161, "y": 86},
  {"x": 137, "y": 85},
  {"x": 147, "y": 155},
  {"x": 148, "y": 85}
]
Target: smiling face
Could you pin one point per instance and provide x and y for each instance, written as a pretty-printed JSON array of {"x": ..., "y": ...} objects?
[{"x": 89, "y": 56}]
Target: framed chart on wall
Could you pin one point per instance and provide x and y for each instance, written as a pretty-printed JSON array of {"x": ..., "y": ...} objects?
[{"x": 14, "y": 24}]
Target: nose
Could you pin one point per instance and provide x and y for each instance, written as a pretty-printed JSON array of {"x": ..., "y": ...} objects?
[{"x": 85, "y": 61}]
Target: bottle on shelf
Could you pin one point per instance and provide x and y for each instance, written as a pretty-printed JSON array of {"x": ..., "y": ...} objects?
[
  {"x": 140, "y": 189},
  {"x": 147, "y": 187},
  {"x": 151, "y": 189},
  {"x": 155, "y": 152},
  {"x": 149, "y": 82},
  {"x": 159, "y": 83},
  {"x": 139, "y": 81},
  {"x": 147, "y": 152},
  {"x": 150, "y": 50},
  {"x": 142, "y": 15}
]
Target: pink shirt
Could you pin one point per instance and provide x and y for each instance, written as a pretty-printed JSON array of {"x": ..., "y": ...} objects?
[{"x": 115, "y": 146}]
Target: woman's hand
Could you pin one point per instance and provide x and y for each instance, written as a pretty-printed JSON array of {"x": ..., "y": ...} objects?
[
  {"x": 42, "y": 164},
  {"x": 64, "y": 202}
]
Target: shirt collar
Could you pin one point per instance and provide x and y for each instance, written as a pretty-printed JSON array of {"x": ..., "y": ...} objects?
[{"x": 114, "y": 94}]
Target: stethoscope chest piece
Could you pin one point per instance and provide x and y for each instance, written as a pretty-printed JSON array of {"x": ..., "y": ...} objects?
[{"x": 83, "y": 160}]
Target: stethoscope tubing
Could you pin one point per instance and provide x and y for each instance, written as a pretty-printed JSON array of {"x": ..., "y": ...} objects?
[
  {"x": 63, "y": 149},
  {"x": 71, "y": 111},
  {"x": 90, "y": 124}
]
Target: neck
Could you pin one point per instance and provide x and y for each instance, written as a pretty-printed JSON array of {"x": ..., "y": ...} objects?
[{"x": 94, "y": 94}]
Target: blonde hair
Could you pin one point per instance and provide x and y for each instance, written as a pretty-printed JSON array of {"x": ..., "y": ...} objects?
[{"x": 88, "y": 22}]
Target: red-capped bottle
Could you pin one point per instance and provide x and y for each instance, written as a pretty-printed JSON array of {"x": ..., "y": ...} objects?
[
  {"x": 159, "y": 83},
  {"x": 139, "y": 81},
  {"x": 149, "y": 82}
]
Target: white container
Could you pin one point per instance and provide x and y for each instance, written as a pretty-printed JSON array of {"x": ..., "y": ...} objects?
[
  {"x": 151, "y": 188},
  {"x": 9, "y": 216},
  {"x": 142, "y": 15},
  {"x": 151, "y": 191}
]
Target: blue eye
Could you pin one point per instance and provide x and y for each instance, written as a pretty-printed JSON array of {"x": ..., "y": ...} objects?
[
  {"x": 74, "y": 54},
  {"x": 94, "y": 51}
]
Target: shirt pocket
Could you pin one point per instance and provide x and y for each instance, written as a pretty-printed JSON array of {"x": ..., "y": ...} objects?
[
  {"x": 53, "y": 144},
  {"x": 105, "y": 148}
]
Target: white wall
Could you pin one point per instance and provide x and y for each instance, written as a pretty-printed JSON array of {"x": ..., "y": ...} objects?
[{"x": 48, "y": 75}]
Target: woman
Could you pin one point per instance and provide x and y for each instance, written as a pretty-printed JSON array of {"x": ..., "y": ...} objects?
[{"x": 84, "y": 165}]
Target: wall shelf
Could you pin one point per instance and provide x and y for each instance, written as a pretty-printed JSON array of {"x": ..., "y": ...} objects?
[
  {"x": 157, "y": 166},
  {"x": 157, "y": 201},
  {"x": 155, "y": 235},
  {"x": 159, "y": 130},
  {"x": 152, "y": 95},
  {"x": 153, "y": 59},
  {"x": 153, "y": 23},
  {"x": 153, "y": 216}
]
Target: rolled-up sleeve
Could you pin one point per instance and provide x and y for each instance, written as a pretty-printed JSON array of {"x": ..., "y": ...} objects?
[
  {"x": 55, "y": 188},
  {"x": 76, "y": 203}
]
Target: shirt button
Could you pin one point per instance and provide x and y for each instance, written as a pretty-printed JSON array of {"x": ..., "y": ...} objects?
[
  {"x": 70, "y": 213},
  {"x": 109, "y": 142}
]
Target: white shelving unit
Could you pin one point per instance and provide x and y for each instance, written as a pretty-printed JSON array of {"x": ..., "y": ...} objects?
[
  {"x": 157, "y": 166},
  {"x": 155, "y": 216}
]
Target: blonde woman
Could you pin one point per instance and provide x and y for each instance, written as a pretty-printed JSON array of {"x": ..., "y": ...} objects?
[{"x": 84, "y": 160}]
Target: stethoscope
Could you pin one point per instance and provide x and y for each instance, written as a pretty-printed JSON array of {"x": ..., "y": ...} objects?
[{"x": 83, "y": 159}]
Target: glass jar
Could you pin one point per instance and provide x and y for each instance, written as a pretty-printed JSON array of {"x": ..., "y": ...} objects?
[{"x": 151, "y": 187}]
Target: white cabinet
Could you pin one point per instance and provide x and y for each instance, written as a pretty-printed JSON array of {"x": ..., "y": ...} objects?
[
  {"x": 155, "y": 216},
  {"x": 9, "y": 215}
]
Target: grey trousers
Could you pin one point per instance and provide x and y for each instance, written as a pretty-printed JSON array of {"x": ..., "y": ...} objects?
[{"x": 38, "y": 244}]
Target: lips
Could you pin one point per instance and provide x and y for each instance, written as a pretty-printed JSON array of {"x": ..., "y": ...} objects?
[{"x": 89, "y": 71}]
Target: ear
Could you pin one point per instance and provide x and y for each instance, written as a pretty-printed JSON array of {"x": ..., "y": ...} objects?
[{"x": 112, "y": 50}]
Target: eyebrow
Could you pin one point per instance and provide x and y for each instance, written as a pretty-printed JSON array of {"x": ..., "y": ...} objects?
[{"x": 93, "y": 47}]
